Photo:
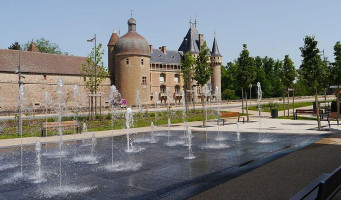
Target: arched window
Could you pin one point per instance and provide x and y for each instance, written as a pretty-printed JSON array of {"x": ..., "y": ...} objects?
[
  {"x": 142, "y": 61},
  {"x": 127, "y": 61}
]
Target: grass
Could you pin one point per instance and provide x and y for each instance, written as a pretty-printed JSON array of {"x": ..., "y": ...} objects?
[
  {"x": 298, "y": 117},
  {"x": 266, "y": 107},
  {"x": 32, "y": 128}
]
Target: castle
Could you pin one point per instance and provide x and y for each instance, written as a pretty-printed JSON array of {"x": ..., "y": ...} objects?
[
  {"x": 136, "y": 65},
  {"x": 132, "y": 62}
]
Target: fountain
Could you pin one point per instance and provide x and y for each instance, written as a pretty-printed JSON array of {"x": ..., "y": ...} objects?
[
  {"x": 156, "y": 96},
  {"x": 238, "y": 133},
  {"x": 77, "y": 103},
  {"x": 22, "y": 103},
  {"x": 48, "y": 103},
  {"x": 129, "y": 122},
  {"x": 152, "y": 140},
  {"x": 168, "y": 135},
  {"x": 115, "y": 100},
  {"x": 60, "y": 109},
  {"x": 190, "y": 151},
  {"x": 259, "y": 92},
  {"x": 219, "y": 137},
  {"x": 138, "y": 101},
  {"x": 39, "y": 174},
  {"x": 85, "y": 130}
]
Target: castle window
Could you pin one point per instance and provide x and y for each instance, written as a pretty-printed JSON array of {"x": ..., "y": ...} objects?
[
  {"x": 141, "y": 61},
  {"x": 177, "y": 89},
  {"x": 127, "y": 61},
  {"x": 144, "y": 80},
  {"x": 176, "y": 78},
  {"x": 45, "y": 77},
  {"x": 162, "y": 89},
  {"x": 162, "y": 78}
]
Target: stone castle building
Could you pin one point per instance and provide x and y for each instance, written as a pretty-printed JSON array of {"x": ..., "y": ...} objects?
[
  {"x": 133, "y": 65},
  {"x": 136, "y": 65}
]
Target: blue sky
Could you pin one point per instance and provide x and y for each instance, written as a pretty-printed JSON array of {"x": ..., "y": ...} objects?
[{"x": 269, "y": 27}]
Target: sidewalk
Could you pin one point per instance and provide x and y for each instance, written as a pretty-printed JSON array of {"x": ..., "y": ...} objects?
[{"x": 282, "y": 178}]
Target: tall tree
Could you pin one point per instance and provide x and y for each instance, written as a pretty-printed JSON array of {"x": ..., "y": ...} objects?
[
  {"x": 336, "y": 72},
  {"x": 246, "y": 72},
  {"x": 45, "y": 46},
  {"x": 94, "y": 72},
  {"x": 311, "y": 68},
  {"x": 288, "y": 75},
  {"x": 186, "y": 69},
  {"x": 15, "y": 46},
  {"x": 202, "y": 73}
]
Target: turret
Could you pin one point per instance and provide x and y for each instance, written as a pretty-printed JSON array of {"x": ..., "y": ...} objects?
[
  {"x": 216, "y": 61},
  {"x": 132, "y": 65},
  {"x": 111, "y": 59}
]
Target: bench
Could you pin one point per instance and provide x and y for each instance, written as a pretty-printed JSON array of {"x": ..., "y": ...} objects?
[
  {"x": 324, "y": 187},
  {"x": 230, "y": 115},
  {"x": 332, "y": 116},
  {"x": 51, "y": 125},
  {"x": 307, "y": 111}
]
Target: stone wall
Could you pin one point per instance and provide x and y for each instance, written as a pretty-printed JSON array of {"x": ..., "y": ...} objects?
[{"x": 36, "y": 87}]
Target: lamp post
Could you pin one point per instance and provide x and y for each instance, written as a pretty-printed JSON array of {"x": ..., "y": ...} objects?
[{"x": 94, "y": 40}]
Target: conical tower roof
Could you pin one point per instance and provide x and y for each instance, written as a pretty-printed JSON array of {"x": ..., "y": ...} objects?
[
  {"x": 191, "y": 41},
  {"x": 113, "y": 39},
  {"x": 33, "y": 47},
  {"x": 215, "y": 49}
]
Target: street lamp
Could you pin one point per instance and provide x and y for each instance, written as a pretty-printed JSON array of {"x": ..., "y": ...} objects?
[{"x": 94, "y": 40}]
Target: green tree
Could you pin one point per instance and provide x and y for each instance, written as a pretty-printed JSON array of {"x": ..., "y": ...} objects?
[
  {"x": 202, "y": 73},
  {"x": 93, "y": 72},
  {"x": 336, "y": 72},
  {"x": 186, "y": 69},
  {"x": 246, "y": 72},
  {"x": 311, "y": 68},
  {"x": 15, "y": 46},
  {"x": 288, "y": 73},
  {"x": 45, "y": 46}
]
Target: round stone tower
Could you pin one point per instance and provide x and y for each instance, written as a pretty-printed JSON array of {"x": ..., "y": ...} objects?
[
  {"x": 216, "y": 61},
  {"x": 132, "y": 65}
]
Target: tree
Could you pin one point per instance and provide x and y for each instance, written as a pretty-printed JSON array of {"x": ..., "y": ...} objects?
[
  {"x": 45, "y": 46},
  {"x": 288, "y": 75},
  {"x": 186, "y": 69},
  {"x": 15, "y": 46},
  {"x": 311, "y": 68},
  {"x": 246, "y": 72},
  {"x": 336, "y": 72},
  {"x": 94, "y": 72},
  {"x": 202, "y": 73}
]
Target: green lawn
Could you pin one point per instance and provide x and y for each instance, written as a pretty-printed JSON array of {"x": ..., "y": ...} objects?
[
  {"x": 298, "y": 117},
  {"x": 32, "y": 128},
  {"x": 266, "y": 107}
]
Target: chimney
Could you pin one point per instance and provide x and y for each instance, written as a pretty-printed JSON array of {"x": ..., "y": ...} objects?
[
  {"x": 151, "y": 48},
  {"x": 163, "y": 49},
  {"x": 201, "y": 39}
]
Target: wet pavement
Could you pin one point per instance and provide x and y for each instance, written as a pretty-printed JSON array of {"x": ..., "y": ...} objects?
[{"x": 158, "y": 171}]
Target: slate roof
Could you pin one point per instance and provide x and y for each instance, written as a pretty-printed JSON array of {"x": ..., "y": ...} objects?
[
  {"x": 191, "y": 41},
  {"x": 215, "y": 49},
  {"x": 40, "y": 63},
  {"x": 170, "y": 57}
]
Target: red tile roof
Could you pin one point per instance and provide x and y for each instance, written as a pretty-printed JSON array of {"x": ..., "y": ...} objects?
[{"x": 40, "y": 63}]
